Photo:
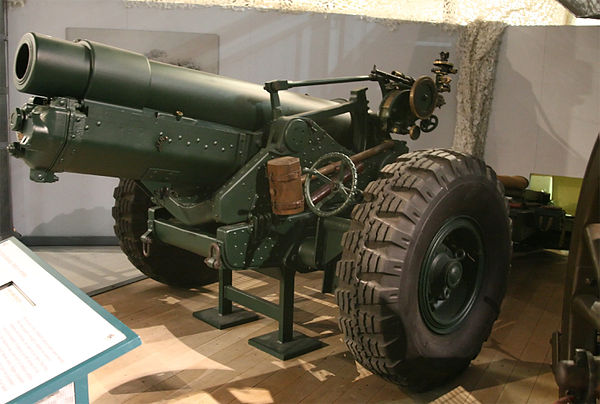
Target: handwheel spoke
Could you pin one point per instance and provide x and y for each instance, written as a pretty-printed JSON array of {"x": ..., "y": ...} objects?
[
  {"x": 322, "y": 176},
  {"x": 325, "y": 200}
]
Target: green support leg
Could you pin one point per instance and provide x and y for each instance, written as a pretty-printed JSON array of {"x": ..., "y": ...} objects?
[
  {"x": 286, "y": 305},
  {"x": 329, "y": 280},
  {"x": 225, "y": 315},
  {"x": 285, "y": 343}
]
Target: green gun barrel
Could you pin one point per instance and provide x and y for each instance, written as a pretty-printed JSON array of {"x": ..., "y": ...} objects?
[
  {"x": 115, "y": 113},
  {"x": 87, "y": 70}
]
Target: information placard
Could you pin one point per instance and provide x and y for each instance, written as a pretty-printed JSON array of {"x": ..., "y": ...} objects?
[{"x": 48, "y": 327}]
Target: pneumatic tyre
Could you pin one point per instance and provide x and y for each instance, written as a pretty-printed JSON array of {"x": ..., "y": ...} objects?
[
  {"x": 424, "y": 267},
  {"x": 166, "y": 264}
]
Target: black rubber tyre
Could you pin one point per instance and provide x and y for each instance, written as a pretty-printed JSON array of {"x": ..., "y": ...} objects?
[
  {"x": 166, "y": 264},
  {"x": 380, "y": 275}
]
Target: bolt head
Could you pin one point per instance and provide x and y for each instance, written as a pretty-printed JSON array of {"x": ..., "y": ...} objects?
[{"x": 453, "y": 274}]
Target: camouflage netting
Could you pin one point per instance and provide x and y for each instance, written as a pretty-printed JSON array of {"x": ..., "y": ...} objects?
[
  {"x": 514, "y": 12},
  {"x": 412, "y": 10},
  {"x": 479, "y": 42},
  {"x": 511, "y": 12}
]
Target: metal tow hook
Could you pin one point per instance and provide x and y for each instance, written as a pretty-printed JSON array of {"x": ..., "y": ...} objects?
[
  {"x": 146, "y": 241},
  {"x": 214, "y": 259}
]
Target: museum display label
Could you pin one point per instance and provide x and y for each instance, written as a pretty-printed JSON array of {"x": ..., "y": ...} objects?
[{"x": 48, "y": 327}]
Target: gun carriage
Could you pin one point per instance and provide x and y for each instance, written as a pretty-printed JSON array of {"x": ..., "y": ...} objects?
[{"x": 219, "y": 175}]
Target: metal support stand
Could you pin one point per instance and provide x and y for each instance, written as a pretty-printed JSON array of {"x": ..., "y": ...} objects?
[
  {"x": 285, "y": 343},
  {"x": 329, "y": 280},
  {"x": 225, "y": 315}
]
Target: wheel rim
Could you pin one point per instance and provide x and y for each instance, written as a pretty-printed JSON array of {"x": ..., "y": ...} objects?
[{"x": 451, "y": 274}]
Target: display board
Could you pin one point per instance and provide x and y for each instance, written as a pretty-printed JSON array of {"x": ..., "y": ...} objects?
[{"x": 51, "y": 333}]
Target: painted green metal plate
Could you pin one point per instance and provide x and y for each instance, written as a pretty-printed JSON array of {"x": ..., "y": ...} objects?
[
  {"x": 299, "y": 345},
  {"x": 238, "y": 316}
]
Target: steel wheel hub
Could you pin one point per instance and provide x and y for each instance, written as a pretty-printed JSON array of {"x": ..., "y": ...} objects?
[{"x": 451, "y": 274}]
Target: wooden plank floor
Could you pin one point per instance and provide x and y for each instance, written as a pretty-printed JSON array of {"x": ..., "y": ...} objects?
[{"x": 185, "y": 360}]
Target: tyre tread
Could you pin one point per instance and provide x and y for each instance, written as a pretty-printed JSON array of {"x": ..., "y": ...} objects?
[{"x": 392, "y": 207}]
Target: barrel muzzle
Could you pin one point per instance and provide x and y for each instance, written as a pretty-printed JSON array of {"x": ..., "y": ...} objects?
[{"x": 51, "y": 67}]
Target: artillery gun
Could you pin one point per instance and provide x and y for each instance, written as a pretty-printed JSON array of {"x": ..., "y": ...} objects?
[{"x": 219, "y": 175}]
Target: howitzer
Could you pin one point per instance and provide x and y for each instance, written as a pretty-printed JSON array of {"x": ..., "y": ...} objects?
[{"x": 415, "y": 245}]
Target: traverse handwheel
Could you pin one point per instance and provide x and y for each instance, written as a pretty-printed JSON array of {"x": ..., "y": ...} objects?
[{"x": 329, "y": 195}]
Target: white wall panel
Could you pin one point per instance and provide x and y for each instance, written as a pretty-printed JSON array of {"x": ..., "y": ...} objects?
[{"x": 546, "y": 107}]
